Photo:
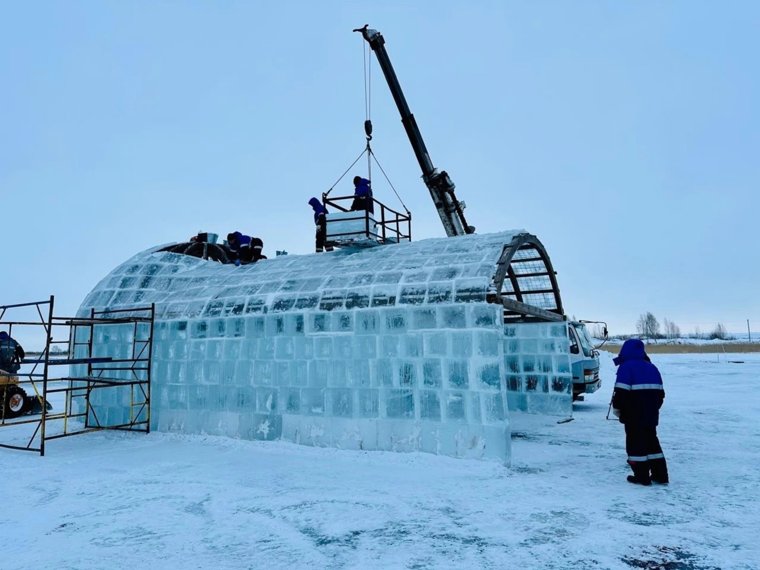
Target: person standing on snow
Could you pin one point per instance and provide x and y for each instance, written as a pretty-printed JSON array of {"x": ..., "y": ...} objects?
[
  {"x": 636, "y": 401},
  {"x": 320, "y": 219},
  {"x": 362, "y": 195}
]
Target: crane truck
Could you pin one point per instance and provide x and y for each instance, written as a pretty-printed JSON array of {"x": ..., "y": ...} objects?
[{"x": 584, "y": 356}]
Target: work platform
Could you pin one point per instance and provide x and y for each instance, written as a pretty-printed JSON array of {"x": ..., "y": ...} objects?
[{"x": 362, "y": 228}]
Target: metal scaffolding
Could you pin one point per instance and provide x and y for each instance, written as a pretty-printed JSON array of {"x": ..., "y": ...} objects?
[{"x": 39, "y": 404}]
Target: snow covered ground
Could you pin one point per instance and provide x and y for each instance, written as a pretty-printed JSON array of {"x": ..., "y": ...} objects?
[
  {"x": 166, "y": 501},
  {"x": 733, "y": 338}
]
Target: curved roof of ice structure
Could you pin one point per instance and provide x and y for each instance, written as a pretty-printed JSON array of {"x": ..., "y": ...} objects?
[{"x": 438, "y": 270}]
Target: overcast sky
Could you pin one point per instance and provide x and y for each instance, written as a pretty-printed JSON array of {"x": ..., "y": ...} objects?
[{"x": 625, "y": 135}]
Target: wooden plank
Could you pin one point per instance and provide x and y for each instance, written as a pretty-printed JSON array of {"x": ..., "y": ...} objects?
[{"x": 525, "y": 309}]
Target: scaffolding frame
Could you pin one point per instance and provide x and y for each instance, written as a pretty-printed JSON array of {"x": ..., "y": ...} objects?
[{"x": 80, "y": 413}]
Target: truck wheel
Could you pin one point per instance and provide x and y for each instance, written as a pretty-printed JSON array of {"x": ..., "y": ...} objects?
[{"x": 14, "y": 402}]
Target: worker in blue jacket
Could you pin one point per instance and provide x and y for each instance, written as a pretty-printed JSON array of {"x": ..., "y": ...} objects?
[
  {"x": 320, "y": 220},
  {"x": 11, "y": 354},
  {"x": 636, "y": 401},
  {"x": 362, "y": 195},
  {"x": 246, "y": 249}
]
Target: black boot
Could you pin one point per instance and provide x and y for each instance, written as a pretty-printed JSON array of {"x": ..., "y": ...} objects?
[
  {"x": 636, "y": 480},
  {"x": 659, "y": 471},
  {"x": 640, "y": 473}
]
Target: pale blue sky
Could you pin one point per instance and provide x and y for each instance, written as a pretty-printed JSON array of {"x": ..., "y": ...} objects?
[{"x": 626, "y": 135}]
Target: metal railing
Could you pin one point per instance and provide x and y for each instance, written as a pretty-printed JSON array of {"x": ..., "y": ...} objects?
[{"x": 390, "y": 226}]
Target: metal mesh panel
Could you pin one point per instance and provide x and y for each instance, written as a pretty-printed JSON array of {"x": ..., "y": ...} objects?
[
  {"x": 520, "y": 267},
  {"x": 542, "y": 300}
]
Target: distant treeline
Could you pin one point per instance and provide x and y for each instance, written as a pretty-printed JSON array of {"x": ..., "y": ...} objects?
[
  {"x": 54, "y": 351},
  {"x": 648, "y": 327}
]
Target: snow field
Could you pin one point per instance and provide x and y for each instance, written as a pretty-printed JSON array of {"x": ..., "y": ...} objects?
[{"x": 170, "y": 501}]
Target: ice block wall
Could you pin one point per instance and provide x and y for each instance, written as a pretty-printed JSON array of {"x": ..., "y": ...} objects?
[
  {"x": 537, "y": 364},
  {"x": 391, "y": 347}
]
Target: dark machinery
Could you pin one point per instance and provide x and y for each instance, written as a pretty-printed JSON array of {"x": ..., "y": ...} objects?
[{"x": 438, "y": 182}]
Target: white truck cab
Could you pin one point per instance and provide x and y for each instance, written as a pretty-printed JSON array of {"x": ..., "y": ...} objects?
[{"x": 584, "y": 360}]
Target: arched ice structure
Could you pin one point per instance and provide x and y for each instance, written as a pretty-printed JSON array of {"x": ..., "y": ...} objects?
[{"x": 396, "y": 347}]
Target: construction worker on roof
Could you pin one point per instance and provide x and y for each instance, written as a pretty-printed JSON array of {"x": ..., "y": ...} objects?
[
  {"x": 362, "y": 195},
  {"x": 320, "y": 219},
  {"x": 246, "y": 249}
]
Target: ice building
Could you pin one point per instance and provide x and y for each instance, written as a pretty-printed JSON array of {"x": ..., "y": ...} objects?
[{"x": 414, "y": 346}]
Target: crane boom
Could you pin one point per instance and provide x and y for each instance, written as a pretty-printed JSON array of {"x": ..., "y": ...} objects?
[{"x": 438, "y": 182}]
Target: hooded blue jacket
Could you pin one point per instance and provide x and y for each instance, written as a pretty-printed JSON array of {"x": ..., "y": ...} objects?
[
  {"x": 638, "y": 391},
  {"x": 319, "y": 209},
  {"x": 362, "y": 188}
]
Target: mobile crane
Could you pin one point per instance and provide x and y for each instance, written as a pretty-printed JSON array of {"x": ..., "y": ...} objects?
[
  {"x": 584, "y": 357},
  {"x": 437, "y": 181}
]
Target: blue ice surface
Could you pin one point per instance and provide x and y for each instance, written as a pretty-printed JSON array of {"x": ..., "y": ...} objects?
[{"x": 389, "y": 347}]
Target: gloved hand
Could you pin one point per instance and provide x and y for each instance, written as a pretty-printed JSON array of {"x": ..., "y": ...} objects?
[{"x": 237, "y": 263}]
